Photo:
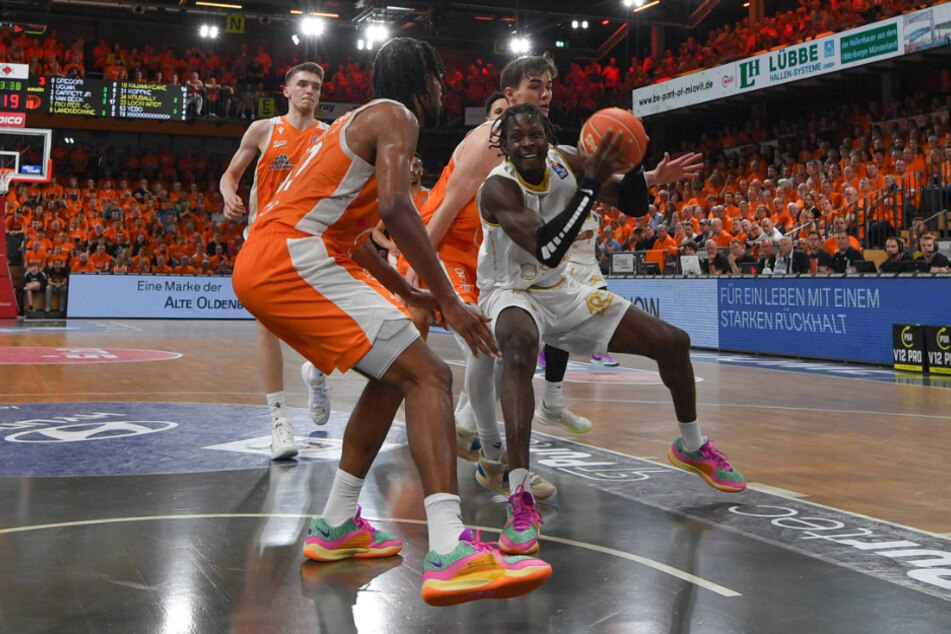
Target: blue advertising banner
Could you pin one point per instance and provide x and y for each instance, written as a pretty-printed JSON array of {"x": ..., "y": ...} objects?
[
  {"x": 153, "y": 297},
  {"x": 833, "y": 318},
  {"x": 688, "y": 303}
]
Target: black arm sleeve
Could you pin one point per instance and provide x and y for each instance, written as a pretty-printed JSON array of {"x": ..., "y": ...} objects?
[
  {"x": 633, "y": 199},
  {"x": 553, "y": 238}
]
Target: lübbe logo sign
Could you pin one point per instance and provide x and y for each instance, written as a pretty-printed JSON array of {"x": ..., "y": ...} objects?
[{"x": 12, "y": 120}]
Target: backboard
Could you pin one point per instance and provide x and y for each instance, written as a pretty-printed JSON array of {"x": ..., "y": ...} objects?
[{"x": 33, "y": 145}]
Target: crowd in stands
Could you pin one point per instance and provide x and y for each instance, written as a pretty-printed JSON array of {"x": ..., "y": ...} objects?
[
  {"x": 824, "y": 176},
  {"x": 240, "y": 84},
  {"x": 98, "y": 225}
]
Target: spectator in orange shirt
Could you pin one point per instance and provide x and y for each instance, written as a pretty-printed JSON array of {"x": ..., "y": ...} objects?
[
  {"x": 662, "y": 239},
  {"x": 719, "y": 235},
  {"x": 101, "y": 260},
  {"x": 81, "y": 264},
  {"x": 36, "y": 254},
  {"x": 141, "y": 258},
  {"x": 184, "y": 267},
  {"x": 161, "y": 268}
]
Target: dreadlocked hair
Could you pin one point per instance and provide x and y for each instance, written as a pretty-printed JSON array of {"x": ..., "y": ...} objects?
[
  {"x": 400, "y": 70},
  {"x": 502, "y": 125}
]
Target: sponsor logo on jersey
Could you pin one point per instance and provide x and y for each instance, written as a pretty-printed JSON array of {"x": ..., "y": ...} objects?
[
  {"x": 560, "y": 170},
  {"x": 281, "y": 162},
  {"x": 279, "y": 143}
]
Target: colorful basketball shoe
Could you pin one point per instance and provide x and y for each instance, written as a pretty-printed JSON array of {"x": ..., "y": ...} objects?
[
  {"x": 709, "y": 463},
  {"x": 353, "y": 538},
  {"x": 494, "y": 475},
  {"x": 520, "y": 533},
  {"x": 477, "y": 570}
]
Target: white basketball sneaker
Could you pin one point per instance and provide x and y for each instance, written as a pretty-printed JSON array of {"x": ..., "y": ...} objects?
[
  {"x": 563, "y": 417},
  {"x": 318, "y": 402},
  {"x": 282, "y": 440}
]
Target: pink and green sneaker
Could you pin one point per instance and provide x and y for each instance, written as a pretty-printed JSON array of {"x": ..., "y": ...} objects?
[
  {"x": 353, "y": 538},
  {"x": 709, "y": 463},
  {"x": 477, "y": 570},
  {"x": 520, "y": 533}
]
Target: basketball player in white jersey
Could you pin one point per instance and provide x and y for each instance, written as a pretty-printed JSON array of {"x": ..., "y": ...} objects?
[
  {"x": 532, "y": 209},
  {"x": 278, "y": 143}
]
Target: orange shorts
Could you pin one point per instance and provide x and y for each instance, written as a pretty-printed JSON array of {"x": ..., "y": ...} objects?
[{"x": 319, "y": 301}]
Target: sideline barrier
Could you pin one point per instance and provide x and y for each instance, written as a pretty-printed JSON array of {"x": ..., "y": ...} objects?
[
  {"x": 846, "y": 318},
  {"x": 153, "y": 297}
]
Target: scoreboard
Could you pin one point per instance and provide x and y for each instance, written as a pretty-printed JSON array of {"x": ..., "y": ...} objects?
[
  {"x": 102, "y": 98},
  {"x": 13, "y": 95}
]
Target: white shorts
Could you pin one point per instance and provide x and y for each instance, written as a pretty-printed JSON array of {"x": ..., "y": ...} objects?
[
  {"x": 569, "y": 315},
  {"x": 585, "y": 274}
]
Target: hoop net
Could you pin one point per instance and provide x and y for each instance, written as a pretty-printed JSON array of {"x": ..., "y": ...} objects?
[{"x": 6, "y": 176}]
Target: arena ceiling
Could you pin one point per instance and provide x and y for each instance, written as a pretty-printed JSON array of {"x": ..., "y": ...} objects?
[{"x": 446, "y": 22}]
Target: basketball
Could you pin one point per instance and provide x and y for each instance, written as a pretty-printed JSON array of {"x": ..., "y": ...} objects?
[{"x": 619, "y": 120}]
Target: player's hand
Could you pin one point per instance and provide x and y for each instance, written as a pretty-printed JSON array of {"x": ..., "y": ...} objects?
[
  {"x": 234, "y": 208},
  {"x": 420, "y": 298},
  {"x": 469, "y": 322},
  {"x": 607, "y": 159},
  {"x": 669, "y": 170}
]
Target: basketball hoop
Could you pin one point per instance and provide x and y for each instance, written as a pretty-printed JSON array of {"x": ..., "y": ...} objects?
[{"x": 6, "y": 176}]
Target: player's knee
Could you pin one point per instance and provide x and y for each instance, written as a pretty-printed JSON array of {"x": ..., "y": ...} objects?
[
  {"x": 678, "y": 340},
  {"x": 520, "y": 350}
]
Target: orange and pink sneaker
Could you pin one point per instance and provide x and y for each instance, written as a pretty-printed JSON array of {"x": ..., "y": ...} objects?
[
  {"x": 709, "y": 463},
  {"x": 477, "y": 570},
  {"x": 353, "y": 538}
]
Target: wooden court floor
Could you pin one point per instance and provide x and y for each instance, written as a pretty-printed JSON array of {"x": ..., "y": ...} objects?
[{"x": 831, "y": 448}]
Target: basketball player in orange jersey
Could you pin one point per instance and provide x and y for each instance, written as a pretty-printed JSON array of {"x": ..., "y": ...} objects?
[
  {"x": 279, "y": 143},
  {"x": 309, "y": 273}
]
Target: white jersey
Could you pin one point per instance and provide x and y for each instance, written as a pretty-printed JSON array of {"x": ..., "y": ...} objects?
[
  {"x": 504, "y": 264},
  {"x": 582, "y": 259}
]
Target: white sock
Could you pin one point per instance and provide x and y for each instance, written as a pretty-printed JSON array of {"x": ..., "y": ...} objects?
[
  {"x": 554, "y": 398},
  {"x": 464, "y": 416},
  {"x": 444, "y": 519},
  {"x": 690, "y": 432},
  {"x": 520, "y": 478},
  {"x": 275, "y": 403},
  {"x": 342, "y": 503},
  {"x": 480, "y": 386}
]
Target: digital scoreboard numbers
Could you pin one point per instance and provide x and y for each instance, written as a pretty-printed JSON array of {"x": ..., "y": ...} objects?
[
  {"x": 149, "y": 101},
  {"x": 99, "y": 98},
  {"x": 13, "y": 95},
  {"x": 67, "y": 95}
]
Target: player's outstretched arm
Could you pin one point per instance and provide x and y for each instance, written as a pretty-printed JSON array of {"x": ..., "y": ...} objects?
[
  {"x": 669, "y": 170},
  {"x": 396, "y": 131},
  {"x": 235, "y": 208}
]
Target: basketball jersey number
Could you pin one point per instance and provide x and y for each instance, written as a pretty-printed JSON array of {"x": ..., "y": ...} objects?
[{"x": 311, "y": 153}]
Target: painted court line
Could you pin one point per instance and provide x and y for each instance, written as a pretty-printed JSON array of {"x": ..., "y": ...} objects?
[{"x": 656, "y": 565}]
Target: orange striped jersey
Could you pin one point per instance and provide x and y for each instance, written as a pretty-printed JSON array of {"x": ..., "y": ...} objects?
[
  {"x": 464, "y": 236},
  {"x": 331, "y": 193},
  {"x": 283, "y": 149}
]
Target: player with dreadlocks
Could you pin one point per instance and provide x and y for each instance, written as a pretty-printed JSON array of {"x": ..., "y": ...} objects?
[
  {"x": 301, "y": 273},
  {"x": 532, "y": 208}
]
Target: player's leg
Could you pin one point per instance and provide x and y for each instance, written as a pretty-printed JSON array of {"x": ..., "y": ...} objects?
[
  {"x": 552, "y": 409},
  {"x": 271, "y": 362},
  {"x": 517, "y": 336},
  {"x": 669, "y": 346}
]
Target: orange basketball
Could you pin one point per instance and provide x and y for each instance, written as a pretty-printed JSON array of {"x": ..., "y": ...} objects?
[{"x": 621, "y": 121}]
